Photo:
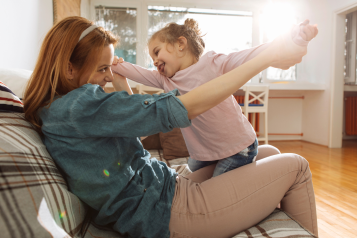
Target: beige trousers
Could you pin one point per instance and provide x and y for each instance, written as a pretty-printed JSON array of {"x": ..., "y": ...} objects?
[{"x": 227, "y": 204}]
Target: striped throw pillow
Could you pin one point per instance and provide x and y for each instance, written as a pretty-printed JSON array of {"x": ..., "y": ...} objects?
[{"x": 9, "y": 101}]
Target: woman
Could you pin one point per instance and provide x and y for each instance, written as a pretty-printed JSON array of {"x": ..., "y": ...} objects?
[{"x": 93, "y": 137}]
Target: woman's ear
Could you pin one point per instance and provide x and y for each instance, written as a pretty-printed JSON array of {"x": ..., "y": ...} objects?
[
  {"x": 182, "y": 43},
  {"x": 70, "y": 71}
]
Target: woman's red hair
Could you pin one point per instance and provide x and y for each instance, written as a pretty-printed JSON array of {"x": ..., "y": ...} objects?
[{"x": 59, "y": 48}]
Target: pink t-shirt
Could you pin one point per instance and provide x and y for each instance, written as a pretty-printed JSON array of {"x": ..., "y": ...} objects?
[{"x": 221, "y": 131}]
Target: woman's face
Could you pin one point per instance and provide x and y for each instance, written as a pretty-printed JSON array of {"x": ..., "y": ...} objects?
[{"x": 103, "y": 73}]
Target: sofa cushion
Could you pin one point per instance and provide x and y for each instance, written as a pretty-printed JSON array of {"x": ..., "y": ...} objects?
[
  {"x": 16, "y": 79},
  {"x": 152, "y": 142},
  {"x": 277, "y": 224},
  {"x": 8, "y": 100},
  {"x": 173, "y": 144},
  {"x": 35, "y": 201}
]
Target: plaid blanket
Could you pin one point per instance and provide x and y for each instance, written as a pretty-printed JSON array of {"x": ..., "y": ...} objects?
[{"x": 35, "y": 201}]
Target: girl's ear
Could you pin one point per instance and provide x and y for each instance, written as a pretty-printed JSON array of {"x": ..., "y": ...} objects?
[
  {"x": 182, "y": 43},
  {"x": 70, "y": 71}
]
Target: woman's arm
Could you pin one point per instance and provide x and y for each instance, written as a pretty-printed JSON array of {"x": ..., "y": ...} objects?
[
  {"x": 217, "y": 90},
  {"x": 282, "y": 51}
]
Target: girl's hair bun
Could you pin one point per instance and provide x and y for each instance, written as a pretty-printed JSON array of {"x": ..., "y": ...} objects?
[
  {"x": 173, "y": 31},
  {"x": 192, "y": 24}
]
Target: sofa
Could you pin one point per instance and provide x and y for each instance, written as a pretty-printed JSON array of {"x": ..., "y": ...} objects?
[{"x": 34, "y": 197}]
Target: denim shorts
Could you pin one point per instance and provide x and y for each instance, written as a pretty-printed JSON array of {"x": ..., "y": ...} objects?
[{"x": 244, "y": 157}]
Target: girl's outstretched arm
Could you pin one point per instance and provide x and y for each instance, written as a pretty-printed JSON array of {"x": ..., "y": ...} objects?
[
  {"x": 282, "y": 51},
  {"x": 301, "y": 34},
  {"x": 138, "y": 74}
]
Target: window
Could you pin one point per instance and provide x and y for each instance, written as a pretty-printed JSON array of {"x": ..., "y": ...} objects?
[
  {"x": 272, "y": 25},
  {"x": 218, "y": 36},
  {"x": 122, "y": 22},
  {"x": 350, "y": 49},
  {"x": 135, "y": 21}
]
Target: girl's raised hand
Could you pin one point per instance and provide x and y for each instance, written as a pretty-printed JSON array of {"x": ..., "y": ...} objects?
[
  {"x": 308, "y": 32},
  {"x": 285, "y": 52},
  {"x": 117, "y": 60}
]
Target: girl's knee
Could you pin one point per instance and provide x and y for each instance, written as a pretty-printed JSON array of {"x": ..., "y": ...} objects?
[{"x": 266, "y": 151}]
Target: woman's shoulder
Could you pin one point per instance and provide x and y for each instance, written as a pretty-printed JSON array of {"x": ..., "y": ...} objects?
[
  {"x": 87, "y": 92},
  {"x": 92, "y": 88},
  {"x": 64, "y": 102}
]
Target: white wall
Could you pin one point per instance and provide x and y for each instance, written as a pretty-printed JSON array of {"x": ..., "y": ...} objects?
[
  {"x": 23, "y": 25},
  {"x": 337, "y": 5},
  {"x": 340, "y": 9},
  {"x": 311, "y": 115},
  {"x": 316, "y": 68},
  {"x": 322, "y": 111},
  {"x": 285, "y": 115}
]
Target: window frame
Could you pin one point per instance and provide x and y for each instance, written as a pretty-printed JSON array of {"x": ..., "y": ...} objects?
[
  {"x": 142, "y": 25},
  {"x": 264, "y": 74},
  {"x": 352, "y": 51},
  {"x": 129, "y": 4}
]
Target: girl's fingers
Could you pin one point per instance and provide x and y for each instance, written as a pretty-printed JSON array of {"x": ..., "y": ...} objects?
[
  {"x": 308, "y": 32},
  {"x": 316, "y": 30},
  {"x": 117, "y": 60},
  {"x": 304, "y": 23},
  {"x": 303, "y": 36}
]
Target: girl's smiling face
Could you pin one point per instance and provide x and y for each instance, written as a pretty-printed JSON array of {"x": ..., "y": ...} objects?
[
  {"x": 103, "y": 73},
  {"x": 165, "y": 56}
]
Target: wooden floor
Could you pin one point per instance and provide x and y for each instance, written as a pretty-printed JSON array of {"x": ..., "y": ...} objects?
[{"x": 334, "y": 175}]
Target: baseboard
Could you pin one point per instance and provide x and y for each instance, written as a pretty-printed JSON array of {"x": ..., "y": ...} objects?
[{"x": 282, "y": 137}]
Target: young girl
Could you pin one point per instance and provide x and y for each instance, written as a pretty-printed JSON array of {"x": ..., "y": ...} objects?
[
  {"x": 223, "y": 133},
  {"x": 93, "y": 137}
]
